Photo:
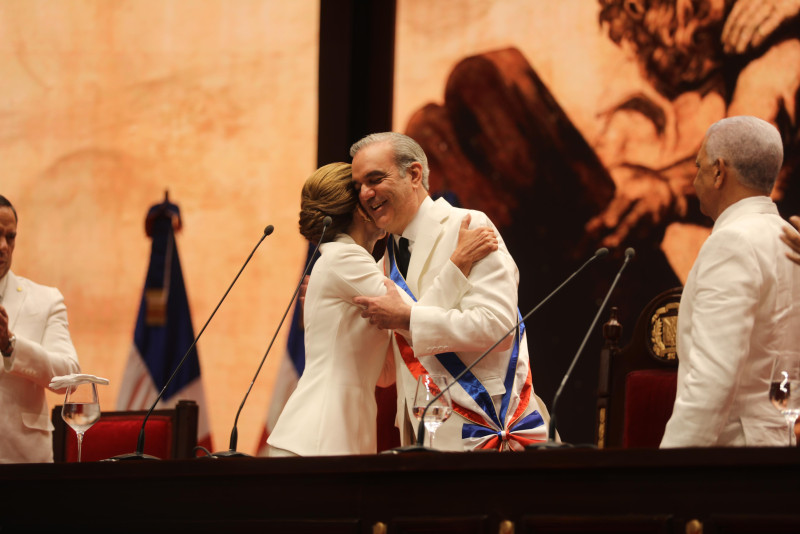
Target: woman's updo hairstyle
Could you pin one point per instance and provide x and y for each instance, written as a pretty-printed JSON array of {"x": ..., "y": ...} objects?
[{"x": 329, "y": 191}]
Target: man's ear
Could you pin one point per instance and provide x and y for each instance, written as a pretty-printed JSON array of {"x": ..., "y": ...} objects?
[
  {"x": 415, "y": 173},
  {"x": 720, "y": 173}
]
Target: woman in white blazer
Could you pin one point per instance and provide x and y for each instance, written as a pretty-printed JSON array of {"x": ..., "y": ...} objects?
[{"x": 333, "y": 410}]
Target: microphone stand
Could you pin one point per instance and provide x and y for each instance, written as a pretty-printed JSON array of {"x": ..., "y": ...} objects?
[
  {"x": 551, "y": 442},
  {"x": 231, "y": 452},
  {"x": 417, "y": 447},
  {"x": 139, "y": 454}
]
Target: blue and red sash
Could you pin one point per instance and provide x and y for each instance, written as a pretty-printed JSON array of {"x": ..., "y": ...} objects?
[{"x": 486, "y": 428}]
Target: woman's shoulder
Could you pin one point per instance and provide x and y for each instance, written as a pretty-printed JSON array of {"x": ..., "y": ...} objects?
[
  {"x": 342, "y": 247},
  {"x": 338, "y": 253}
]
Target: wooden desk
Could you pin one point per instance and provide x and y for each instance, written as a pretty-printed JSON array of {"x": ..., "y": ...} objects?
[{"x": 567, "y": 490}]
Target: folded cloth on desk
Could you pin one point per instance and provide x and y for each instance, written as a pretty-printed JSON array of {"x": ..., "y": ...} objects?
[{"x": 61, "y": 382}]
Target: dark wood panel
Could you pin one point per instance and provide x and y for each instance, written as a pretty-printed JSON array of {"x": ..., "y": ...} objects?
[
  {"x": 752, "y": 522},
  {"x": 571, "y": 490},
  {"x": 439, "y": 525},
  {"x": 356, "y": 74},
  {"x": 604, "y": 524}
]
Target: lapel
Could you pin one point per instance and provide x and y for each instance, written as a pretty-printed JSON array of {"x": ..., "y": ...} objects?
[
  {"x": 13, "y": 299},
  {"x": 432, "y": 229}
]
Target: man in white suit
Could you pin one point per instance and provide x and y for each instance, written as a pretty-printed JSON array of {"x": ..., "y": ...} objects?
[
  {"x": 36, "y": 346},
  {"x": 495, "y": 407},
  {"x": 739, "y": 308}
]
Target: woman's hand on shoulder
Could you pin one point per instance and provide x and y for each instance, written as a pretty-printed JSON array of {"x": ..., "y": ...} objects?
[{"x": 474, "y": 244}]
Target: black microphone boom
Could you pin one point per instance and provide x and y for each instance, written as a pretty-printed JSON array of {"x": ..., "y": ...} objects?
[
  {"x": 326, "y": 222},
  {"x": 600, "y": 253},
  {"x": 139, "y": 454},
  {"x": 551, "y": 430}
]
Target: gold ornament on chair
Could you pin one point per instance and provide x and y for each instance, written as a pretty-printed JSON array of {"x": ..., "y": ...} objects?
[{"x": 663, "y": 332}]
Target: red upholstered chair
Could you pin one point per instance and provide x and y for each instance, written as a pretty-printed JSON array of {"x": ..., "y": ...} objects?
[
  {"x": 169, "y": 434},
  {"x": 637, "y": 384}
]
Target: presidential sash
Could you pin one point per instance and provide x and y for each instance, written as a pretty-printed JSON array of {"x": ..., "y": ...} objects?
[{"x": 487, "y": 429}]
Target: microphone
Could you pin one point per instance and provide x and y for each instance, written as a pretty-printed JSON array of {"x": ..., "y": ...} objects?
[
  {"x": 139, "y": 454},
  {"x": 326, "y": 222},
  {"x": 600, "y": 253},
  {"x": 551, "y": 430}
]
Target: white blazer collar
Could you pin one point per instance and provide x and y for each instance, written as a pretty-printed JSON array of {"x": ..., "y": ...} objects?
[
  {"x": 427, "y": 227},
  {"x": 756, "y": 204}
]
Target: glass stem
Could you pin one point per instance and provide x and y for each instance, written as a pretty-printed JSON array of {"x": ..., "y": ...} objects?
[
  {"x": 791, "y": 431},
  {"x": 80, "y": 442}
]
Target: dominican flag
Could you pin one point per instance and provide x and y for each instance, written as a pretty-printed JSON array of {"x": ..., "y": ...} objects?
[
  {"x": 164, "y": 330},
  {"x": 292, "y": 365}
]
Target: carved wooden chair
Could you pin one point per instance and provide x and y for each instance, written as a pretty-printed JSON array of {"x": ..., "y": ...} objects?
[
  {"x": 169, "y": 434},
  {"x": 637, "y": 383}
]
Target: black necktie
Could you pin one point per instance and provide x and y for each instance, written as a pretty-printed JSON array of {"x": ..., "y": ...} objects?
[{"x": 403, "y": 256}]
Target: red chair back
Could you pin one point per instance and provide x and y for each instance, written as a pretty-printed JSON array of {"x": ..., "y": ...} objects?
[
  {"x": 169, "y": 434},
  {"x": 637, "y": 385}
]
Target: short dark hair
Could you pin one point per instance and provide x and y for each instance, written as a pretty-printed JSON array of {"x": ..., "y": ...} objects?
[{"x": 5, "y": 203}]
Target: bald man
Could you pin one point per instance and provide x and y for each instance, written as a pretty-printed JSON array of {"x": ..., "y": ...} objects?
[{"x": 739, "y": 307}]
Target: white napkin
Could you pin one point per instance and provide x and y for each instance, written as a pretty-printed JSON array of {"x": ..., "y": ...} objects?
[{"x": 60, "y": 382}]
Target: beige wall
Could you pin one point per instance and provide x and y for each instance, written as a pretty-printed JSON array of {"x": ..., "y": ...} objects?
[{"x": 107, "y": 104}]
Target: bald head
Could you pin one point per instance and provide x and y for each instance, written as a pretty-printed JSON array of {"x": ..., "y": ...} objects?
[{"x": 750, "y": 146}]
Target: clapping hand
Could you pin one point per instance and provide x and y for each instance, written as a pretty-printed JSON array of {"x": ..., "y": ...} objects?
[{"x": 4, "y": 333}]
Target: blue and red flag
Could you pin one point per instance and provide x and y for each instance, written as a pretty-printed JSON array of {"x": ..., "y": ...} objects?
[{"x": 164, "y": 330}]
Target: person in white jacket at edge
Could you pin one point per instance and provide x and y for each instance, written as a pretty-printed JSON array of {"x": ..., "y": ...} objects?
[
  {"x": 740, "y": 306},
  {"x": 36, "y": 346}
]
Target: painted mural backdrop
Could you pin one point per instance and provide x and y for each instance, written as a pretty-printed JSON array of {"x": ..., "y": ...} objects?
[
  {"x": 105, "y": 106},
  {"x": 575, "y": 125}
]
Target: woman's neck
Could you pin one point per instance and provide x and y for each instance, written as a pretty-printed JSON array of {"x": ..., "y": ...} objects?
[{"x": 362, "y": 237}]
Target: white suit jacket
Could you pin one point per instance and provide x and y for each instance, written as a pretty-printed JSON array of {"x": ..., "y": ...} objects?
[
  {"x": 333, "y": 410},
  {"x": 38, "y": 317},
  {"x": 480, "y": 316},
  {"x": 738, "y": 310}
]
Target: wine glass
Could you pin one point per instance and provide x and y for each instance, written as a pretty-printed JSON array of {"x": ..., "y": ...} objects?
[
  {"x": 784, "y": 388},
  {"x": 428, "y": 386},
  {"x": 81, "y": 409}
]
